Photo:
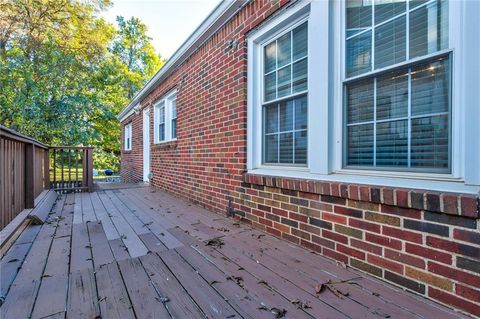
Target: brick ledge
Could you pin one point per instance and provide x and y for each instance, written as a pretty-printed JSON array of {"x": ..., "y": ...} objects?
[{"x": 449, "y": 203}]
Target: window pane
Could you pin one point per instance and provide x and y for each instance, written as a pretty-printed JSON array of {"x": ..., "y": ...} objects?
[
  {"x": 392, "y": 95},
  {"x": 286, "y": 148},
  {"x": 360, "y": 101},
  {"x": 300, "y": 41},
  {"x": 270, "y": 57},
  {"x": 386, "y": 9},
  {"x": 390, "y": 45},
  {"x": 358, "y": 54},
  {"x": 284, "y": 50},
  {"x": 392, "y": 144},
  {"x": 270, "y": 86},
  {"x": 359, "y": 14},
  {"x": 430, "y": 142},
  {"x": 301, "y": 147},
  {"x": 174, "y": 128},
  {"x": 271, "y": 118},
  {"x": 360, "y": 145},
  {"x": 300, "y": 76},
  {"x": 301, "y": 113},
  {"x": 286, "y": 116},
  {"x": 429, "y": 29},
  {"x": 284, "y": 81},
  {"x": 430, "y": 87},
  {"x": 271, "y": 148},
  {"x": 161, "y": 132},
  {"x": 174, "y": 108}
]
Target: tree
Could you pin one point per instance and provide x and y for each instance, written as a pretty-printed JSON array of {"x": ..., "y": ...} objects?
[{"x": 65, "y": 73}]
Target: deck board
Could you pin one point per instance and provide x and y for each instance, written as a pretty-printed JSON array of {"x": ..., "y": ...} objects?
[{"x": 117, "y": 253}]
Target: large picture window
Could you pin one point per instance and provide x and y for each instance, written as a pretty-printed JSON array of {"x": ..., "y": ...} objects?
[
  {"x": 397, "y": 92},
  {"x": 285, "y": 104}
]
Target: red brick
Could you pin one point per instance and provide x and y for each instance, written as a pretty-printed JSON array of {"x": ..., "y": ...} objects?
[
  {"x": 384, "y": 241},
  {"x": 385, "y": 263},
  {"x": 334, "y": 218},
  {"x": 351, "y": 252},
  {"x": 454, "y": 301},
  {"x": 365, "y": 193},
  {"x": 348, "y": 211},
  {"x": 404, "y": 258},
  {"x": 279, "y": 212},
  {"x": 402, "y": 234},
  {"x": 334, "y": 236},
  {"x": 403, "y": 212},
  {"x": 470, "y": 279},
  {"x": 469, "y": 206},
  {"x": 323, "y": 242},
  {"x": 401, "y": 197},
  {"x": 311, "y": 246},
  {"x": 387, "y": 196},
  {"x": 321, "y": 206},
  {"x": 468, "y": 293},
  {"x": 301, "y": 218},
  {"x": 353, "y": 192},
  {"x": 364, "y": 225},
  {"x": 311, "y": 196},
  {"x": 450, "y": 204},
  {"x": 429, "y": 253},
  {"x": 332, "y": 254},
  {"x": 446, "y": 245},
  {"x": 366, "y": 246},
  {"x": 291, "y": 238},
  {"x": 468, "y": 236}
]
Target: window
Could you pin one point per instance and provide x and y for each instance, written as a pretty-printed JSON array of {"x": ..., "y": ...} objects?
[
  {"x": 285, "y": 104},
  {"x": 128, "y": 137},
  {"x": 397, "y": 92},
  {"x": 165, "y": 118}
]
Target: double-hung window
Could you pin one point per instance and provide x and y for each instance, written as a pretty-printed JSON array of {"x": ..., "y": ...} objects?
[
  {"x": 128, "y": 137},
  {"x": 165, "y": 118},
  {"x": 397, "y": 88},
  {"x": 285, "y": 103}
]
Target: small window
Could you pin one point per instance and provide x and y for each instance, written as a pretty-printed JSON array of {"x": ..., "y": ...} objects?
[
  {"x": 165, "y": 118},
  {"x": 397, "y": 113},
  {"x": 128, "y": 137},
  {"x": 285, "y": 104}
]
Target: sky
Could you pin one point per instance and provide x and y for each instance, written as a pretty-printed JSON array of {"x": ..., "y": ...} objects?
[{"x": 169, "y": 22}]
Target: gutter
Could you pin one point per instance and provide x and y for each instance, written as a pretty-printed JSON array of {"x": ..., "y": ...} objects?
[{"x": 225, "y": 10}]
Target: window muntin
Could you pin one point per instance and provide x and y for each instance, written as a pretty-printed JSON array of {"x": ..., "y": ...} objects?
[
  {"x": 128, "y": 137},
  {"x": 398, "y": 118},
  {"x": 285, "y": 75}
]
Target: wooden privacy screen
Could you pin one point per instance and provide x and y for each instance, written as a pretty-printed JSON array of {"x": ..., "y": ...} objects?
[{"x": 28, "y": 167}]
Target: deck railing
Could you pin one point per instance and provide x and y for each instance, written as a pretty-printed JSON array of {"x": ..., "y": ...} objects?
[{"x": 28, "y": 167}]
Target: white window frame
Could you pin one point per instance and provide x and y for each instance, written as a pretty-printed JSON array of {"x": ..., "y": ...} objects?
[
  {"x": 127, "y": 137},
  {"x": 166, "y": 100},
  {"x": 325, "y": 101}
]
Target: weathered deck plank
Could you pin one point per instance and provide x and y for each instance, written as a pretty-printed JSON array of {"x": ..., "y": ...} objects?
[{"x": 112, "y": 294}]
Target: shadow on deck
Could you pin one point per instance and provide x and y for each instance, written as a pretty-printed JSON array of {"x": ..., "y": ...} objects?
[{"x": 137, "y": 252}]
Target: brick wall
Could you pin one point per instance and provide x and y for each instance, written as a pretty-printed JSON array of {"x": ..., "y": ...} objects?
[
  {"x": 131, "y": 162},
  {"x": 423, "y": 241}
]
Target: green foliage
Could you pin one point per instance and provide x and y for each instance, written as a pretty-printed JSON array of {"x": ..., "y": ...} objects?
[{"x": 65, "y": 72}]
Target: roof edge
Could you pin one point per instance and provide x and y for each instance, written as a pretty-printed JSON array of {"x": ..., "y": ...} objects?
[{"x": 215, "y": 20}]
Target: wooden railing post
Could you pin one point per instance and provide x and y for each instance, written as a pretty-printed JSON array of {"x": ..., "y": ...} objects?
[
  {"x": 29, "y": 175},
  {"x": 90, "y": 169},
  {"x": 46, "y": 169}
]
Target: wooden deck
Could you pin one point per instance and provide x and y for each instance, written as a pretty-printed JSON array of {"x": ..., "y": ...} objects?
[{"x": 141, "y": 253}]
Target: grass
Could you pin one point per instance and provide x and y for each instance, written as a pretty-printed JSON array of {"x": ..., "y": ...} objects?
[{"x": 73, "y": 174}]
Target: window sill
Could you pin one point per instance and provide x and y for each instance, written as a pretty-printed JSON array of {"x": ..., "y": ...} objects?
[
  {"x": 454, "y": 198},
  {"x": 434, "y": 182}
]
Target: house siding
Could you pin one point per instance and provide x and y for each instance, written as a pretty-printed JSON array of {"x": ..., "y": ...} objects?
[{"x": 426, "y": 242}]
